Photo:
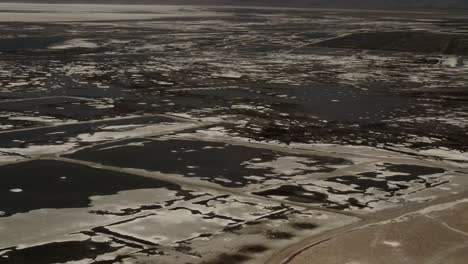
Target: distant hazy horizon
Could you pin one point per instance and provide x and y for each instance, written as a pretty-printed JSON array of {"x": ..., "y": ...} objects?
[{"x": 365, "y": 4}]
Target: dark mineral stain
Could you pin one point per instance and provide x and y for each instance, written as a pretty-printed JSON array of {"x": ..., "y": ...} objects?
[
  {"x": 355, "y": 203},
  {"x": 366, "y": 180},
  {"x": 52, "y": 135},
  {"x": 228, "y": 259},
  {"x": 27, "y": 43},
  {"x": 57, "y": 184},
  {"x": 59, "y": 252},
  {"x": 414, "y": 170},
  {"x": 189, "y": 158},
  {"x": 183, "y": 248},
  {"x": 253, "y": 249},
  {"x": 301, "y": 195},
  {"x": 60, "y": 107},
  {"x": 254, "y": 223},
  {"x": 275, "y": 234},
  {"x": 127, "y": 211},
  {"x": 295, "y": 194},
  {"x": 409, "y": 173},
  {"x": 362, "y": 183},
  {"x": 303, "y": 225}
]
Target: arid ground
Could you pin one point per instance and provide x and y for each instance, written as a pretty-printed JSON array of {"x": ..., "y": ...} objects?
[{"x": 184, "y": 134}]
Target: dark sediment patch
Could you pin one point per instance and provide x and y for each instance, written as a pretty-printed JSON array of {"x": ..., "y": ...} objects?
[
  {"x": 253, "y": 249},
  {"x": 226, "y": 258},
  {"x": 211, "y": 161},
  {"x": 61, "y": 108},
  {"x": 414, "y": 170},
  {"x": 275, "y": 234},
  {"x": 362, "y": 184},
  {"x": 57, "y": 184},
  {"x": 185, "y": 157},
  {"x": 295, "y": 194},
  {"x": 27, "y": 43},
  {"x": 57, "y": 252},
  {"x": 59, "y": 135},
  {"x": 304, "y": 225}
]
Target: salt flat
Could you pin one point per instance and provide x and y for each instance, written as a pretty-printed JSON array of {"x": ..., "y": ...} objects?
[{"x": 200, "y": 134}]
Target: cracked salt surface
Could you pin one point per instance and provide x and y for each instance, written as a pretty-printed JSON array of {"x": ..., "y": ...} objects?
[{"x": 128, "y": 215}]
